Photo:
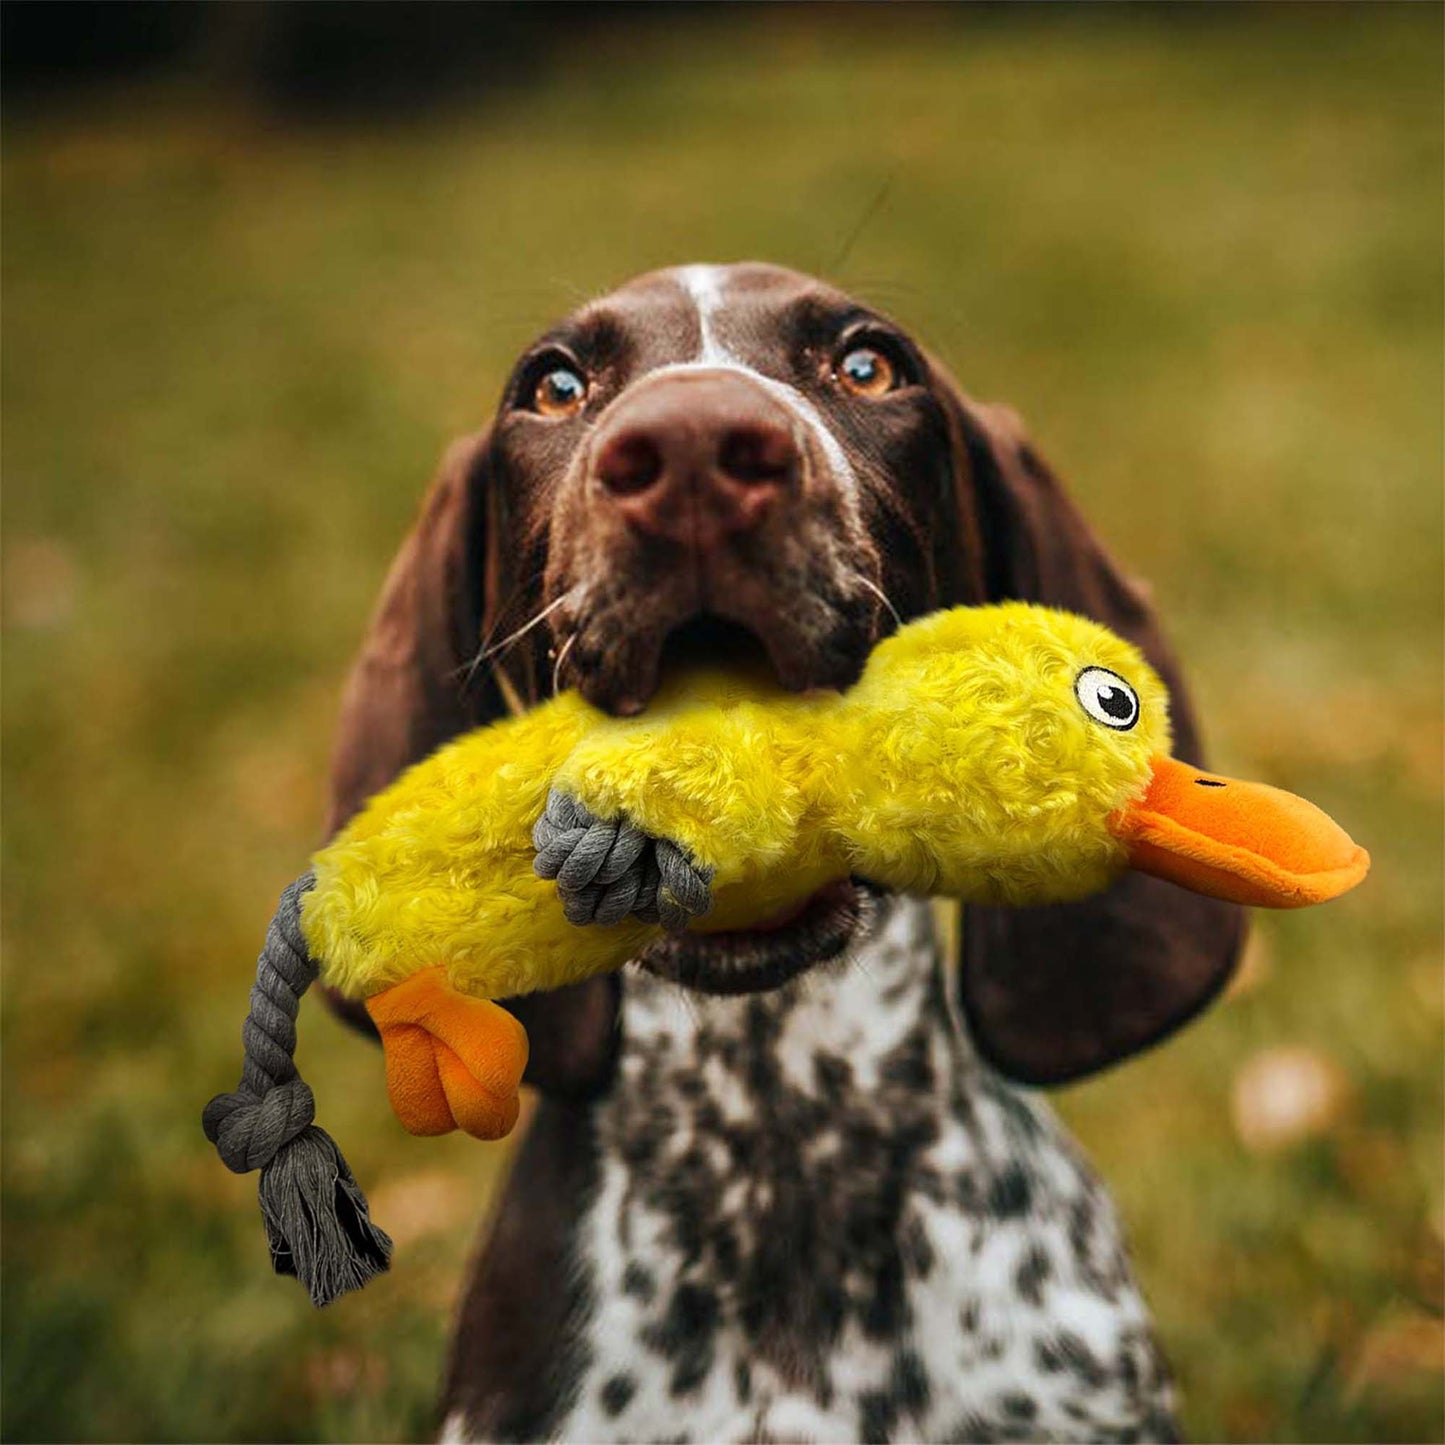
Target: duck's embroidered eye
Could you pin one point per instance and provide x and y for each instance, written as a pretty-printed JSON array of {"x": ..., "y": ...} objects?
[{"x": 1107, "y": 698}]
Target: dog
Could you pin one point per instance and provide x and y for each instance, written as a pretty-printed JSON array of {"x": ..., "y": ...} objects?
[{"x": 782, "y": 1184}]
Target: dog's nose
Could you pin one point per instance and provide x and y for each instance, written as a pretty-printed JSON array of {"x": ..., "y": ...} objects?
[{"x": 696, "y": 458}]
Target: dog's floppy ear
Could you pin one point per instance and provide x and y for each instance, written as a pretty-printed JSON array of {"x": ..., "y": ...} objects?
[
  {"x": 414, "y": 685},
  {"x": 1055, "y": 993},
  {"x": 410, "y": 688}
]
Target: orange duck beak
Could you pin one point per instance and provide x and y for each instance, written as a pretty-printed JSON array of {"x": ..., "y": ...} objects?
[{"x": 1245, "y": 842}]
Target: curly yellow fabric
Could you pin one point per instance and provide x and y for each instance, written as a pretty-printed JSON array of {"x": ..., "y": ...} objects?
[{"x": 962, "y": 763}]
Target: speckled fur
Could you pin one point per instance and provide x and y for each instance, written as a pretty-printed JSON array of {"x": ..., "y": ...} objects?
[{"x": 818, "y": 1216}]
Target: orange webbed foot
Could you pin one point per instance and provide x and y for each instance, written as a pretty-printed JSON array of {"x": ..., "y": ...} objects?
[{"x": 452, "y": 1061}]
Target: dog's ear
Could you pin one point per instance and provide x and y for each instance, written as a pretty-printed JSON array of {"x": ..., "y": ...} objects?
[
  {"x": 416, "y": 683},
  {"x": 1054, "y": 993},
  {"x": 410, "y": 687}
]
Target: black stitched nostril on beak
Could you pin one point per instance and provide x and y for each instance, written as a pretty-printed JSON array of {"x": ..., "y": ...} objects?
[
  {"x": 629, "y": 463},
  {"x": 1207, "y": 783}
]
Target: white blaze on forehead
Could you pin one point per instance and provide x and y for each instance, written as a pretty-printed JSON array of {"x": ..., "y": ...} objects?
[{"x": 706, "y": 285}]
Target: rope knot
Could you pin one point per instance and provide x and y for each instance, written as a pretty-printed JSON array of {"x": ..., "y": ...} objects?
[
  {"x": 607, "y": 869},
  {"x": 249, "y": 1131}
]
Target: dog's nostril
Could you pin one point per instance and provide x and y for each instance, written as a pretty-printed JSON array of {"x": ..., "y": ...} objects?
[
  {"x": 756, "y": 454},
  {"x": 629, "y": 464}
]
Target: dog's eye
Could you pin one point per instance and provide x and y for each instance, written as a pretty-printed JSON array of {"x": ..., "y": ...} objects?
[
  {"x": 866, "y": 371},
  {"x": 1107, "y": 698},
  {"x": 559, "y": 392}
]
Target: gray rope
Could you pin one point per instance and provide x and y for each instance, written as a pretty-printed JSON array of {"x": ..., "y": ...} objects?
[
  {"x": 315, "y": 1214},
  {"x": 608, "y": 870}
]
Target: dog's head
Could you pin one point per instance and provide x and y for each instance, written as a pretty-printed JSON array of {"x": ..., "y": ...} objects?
[
  {"x": 743, "y": 460},
  {"x": 725, "y": 456}
]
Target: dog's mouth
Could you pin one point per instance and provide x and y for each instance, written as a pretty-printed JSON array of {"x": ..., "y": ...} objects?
[
  {"x": 707, "y": 640},
  {"x": 619, "y": 667},
  {"x": 774, "y": 654},
  {"x": 772, "y": 953}
]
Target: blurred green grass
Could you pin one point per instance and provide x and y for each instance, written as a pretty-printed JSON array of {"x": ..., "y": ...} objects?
[{"x": 1201, "y": 252}]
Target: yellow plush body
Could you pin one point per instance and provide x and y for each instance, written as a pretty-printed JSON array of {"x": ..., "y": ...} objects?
[{"x": 960, "y": 764}]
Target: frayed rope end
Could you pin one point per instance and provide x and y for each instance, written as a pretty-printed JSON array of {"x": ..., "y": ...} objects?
[{"x": 317, "y": 1222}]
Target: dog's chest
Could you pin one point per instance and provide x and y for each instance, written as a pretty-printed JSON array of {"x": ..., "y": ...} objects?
[{"x": 818, "y": 1217}]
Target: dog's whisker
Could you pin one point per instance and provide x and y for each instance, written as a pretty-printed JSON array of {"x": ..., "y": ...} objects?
[
  {"x": 518, "y": 588},
  {"x": 526, "y": 627},
  {"x": 561, "y": 659},
  {"x": 486, "y": 654},
  {"x": 881, "y": 595}
]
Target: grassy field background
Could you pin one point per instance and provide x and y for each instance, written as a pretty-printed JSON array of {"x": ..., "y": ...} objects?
[{"x": 1201, "y": 252}]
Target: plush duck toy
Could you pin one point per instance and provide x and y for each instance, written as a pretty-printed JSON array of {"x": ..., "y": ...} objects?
[{"x": 1010, "y": 754}]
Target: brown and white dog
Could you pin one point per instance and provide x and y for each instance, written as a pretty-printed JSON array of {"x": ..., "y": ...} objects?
[{"x": 799, "y": 1197}]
